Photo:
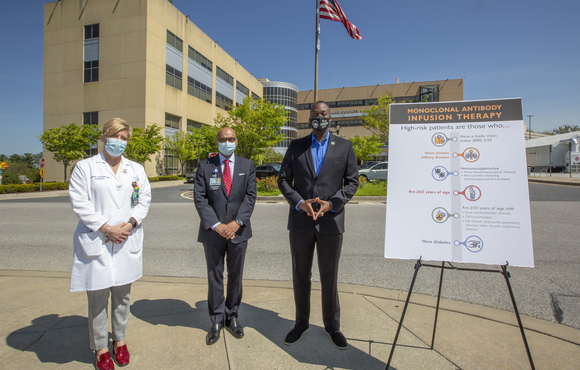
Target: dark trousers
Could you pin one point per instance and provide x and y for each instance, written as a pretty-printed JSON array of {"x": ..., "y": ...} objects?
[
  {"x": 221, "y": 308},
  {"x": 328, "y": 249}
]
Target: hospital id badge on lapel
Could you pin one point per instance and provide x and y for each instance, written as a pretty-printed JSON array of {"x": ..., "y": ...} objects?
[{"x": 215, "y": 183}]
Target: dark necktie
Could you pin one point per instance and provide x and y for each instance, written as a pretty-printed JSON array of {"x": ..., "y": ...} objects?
[{"x": 227, "y": 177}]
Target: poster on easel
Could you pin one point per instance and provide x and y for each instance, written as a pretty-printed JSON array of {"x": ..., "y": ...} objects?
[{"x": 457, "y": 185}]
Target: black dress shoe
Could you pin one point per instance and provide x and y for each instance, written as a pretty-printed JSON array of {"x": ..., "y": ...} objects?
[
  {"x": 294, "y": 335},
  {"x": 338, "y": 339},
  {"x": 213, "y": 334},
  {"x": 235, "y": 328}
]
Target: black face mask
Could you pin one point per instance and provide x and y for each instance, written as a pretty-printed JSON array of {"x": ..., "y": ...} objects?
[{"x": 319, "y": 123}]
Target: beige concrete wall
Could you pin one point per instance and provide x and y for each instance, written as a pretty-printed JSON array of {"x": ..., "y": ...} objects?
[{"x": 132, "y": 53}]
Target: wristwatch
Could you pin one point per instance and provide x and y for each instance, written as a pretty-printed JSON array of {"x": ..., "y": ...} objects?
[
  {"x": 133, "y": 223},
  {"x": 239, "y": 222}
]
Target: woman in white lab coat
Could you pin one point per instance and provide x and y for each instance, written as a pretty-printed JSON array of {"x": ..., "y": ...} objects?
[{"x": 111, "y": 196}]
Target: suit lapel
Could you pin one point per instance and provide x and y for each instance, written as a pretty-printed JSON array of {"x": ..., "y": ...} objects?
[
  {"x": 217, "y": 164},
  {"x": 235, "y": 178},
  {"x": 309, "y": 160}
]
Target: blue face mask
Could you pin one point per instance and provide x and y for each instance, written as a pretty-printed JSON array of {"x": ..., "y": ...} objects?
[
  {"x": 115, "y": 147},
  {"x": 226, "y": 148}
]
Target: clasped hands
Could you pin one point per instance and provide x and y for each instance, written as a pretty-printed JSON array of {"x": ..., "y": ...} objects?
[
  {"x": 306, "y": 206},
  {"x": 118, "y": 233},
  {"x": 227, "y": 231}
]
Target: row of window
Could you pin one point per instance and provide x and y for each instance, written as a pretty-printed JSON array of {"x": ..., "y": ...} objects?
[
  {"x": 173, "y": 77},
  {"x": 427, "y": 93},
  {"x": 199, "y": 90},
  {"x": 281, "y": 91},
  {"x": 223, "y": 101},
  {"x": 244, "y": 90},
  {"x": 200, "y": 59},
  {"x": 289, "y": 135},
  {"x": 174, "y": 41},
  {"x": 91, "y": 118},
  {"x": 224, "y": 75}
]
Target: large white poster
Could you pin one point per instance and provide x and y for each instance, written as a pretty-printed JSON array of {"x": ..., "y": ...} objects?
[{"x": 457, "y": 184}]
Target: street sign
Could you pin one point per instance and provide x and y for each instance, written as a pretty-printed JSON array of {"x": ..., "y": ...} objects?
[
  {"x": 42, "y": 162},
  {"x": 42, "y": 173}
]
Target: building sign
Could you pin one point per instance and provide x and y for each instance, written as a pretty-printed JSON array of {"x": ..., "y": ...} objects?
[
  {"x": 345, "y": 113},
  {"x": 457, "y": 184}
]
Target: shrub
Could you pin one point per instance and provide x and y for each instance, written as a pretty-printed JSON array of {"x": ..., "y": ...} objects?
[
  {"x": 267, "y": 184},
  {"x": 24, "y": 188}
]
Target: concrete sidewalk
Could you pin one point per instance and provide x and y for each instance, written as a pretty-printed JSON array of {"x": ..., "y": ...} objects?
[{"x": 45, "y": 326}]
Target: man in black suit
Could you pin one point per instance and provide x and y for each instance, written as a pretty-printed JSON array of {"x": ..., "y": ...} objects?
[
  {"x": 318, "y": 177},
  {"x": 225, "y": 195}
]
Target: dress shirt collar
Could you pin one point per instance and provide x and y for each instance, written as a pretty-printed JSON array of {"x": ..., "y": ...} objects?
[{"x": 232, "y": 158}]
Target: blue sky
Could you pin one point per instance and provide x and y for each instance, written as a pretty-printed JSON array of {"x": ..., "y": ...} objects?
[{"x": 504, "y": 48}]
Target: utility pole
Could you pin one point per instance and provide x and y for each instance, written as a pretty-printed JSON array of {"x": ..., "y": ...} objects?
[{"x": 530, "y": 129}]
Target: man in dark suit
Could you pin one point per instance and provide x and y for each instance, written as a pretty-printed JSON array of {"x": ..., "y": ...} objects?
[
  {"x": 318, "y": 177},
  {"x": 225, "y": 195}
]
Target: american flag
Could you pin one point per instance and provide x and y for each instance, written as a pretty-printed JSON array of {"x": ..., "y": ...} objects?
[{"x": 329, "y": 9}]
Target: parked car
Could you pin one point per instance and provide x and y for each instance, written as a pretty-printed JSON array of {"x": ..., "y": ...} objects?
[
  {"x": 377, "y": 172},
  {"x": 368, "y": 164},
  {"x": 190, "y": 176},
  {"x": 265, "y": 170}
]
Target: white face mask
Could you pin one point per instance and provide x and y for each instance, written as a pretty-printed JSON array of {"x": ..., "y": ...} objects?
[
  {"x": 115, "y": 147},
  {"x": 227, "y": 148}
]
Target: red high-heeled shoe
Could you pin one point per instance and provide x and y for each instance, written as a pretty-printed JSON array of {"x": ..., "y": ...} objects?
[
  {"x": 105, "y": 362},
  {"x": 122, "y": 356}
]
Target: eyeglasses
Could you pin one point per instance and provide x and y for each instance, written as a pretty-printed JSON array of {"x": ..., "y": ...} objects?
[{"x": 224, "y": 139}]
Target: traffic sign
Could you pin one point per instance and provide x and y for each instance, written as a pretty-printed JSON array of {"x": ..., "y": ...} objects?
[
  {"x": 42, "y": 173},
  {"x": 42, "y": 162}
]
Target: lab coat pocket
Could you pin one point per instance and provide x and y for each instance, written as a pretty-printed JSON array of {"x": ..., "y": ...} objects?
[
  {"x": 91, "y": 244},
  {"x": 134, "y": 242}
]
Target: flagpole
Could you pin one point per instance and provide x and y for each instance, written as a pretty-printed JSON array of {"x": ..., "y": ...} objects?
[{"x": 316, "y": 45}]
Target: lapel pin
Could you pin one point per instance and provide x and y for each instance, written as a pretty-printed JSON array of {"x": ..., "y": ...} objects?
[
  {"x": 124, "y": 170},
  {"x": 332, "y": 143}
]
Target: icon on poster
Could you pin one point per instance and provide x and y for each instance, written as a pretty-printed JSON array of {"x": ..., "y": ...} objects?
[
  {"x": 471, "y": 193},
  {"x": 473, "y": 243},
  {"x": 440, "y": 139},
  {"x": 440, "y": 173},
  {"x": 470, "y": 155},
  {"x": 440, "y": 215}
]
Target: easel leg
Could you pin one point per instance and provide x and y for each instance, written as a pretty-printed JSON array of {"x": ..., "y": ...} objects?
[
  {"x": 417, "y": 266},
  {"x": 438, "y": 300},
  {"x": 506, "y": 275}
]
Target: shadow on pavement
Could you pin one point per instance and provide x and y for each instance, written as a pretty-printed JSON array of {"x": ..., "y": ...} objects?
[
  {"x": 315, "y": 347},
  {"x": 55, "y": 339}
]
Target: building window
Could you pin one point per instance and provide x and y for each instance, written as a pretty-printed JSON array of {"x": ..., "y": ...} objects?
[
  {"x": 254, "y": 96},
  {"x": 92, "y": 71},
  {"x": 174, "y": 41},
  {"x": 192, "y": 125},
  {"x": 92, "y": 31},
  {"x": 429, "y": 93},
  {"x": 199, "y": 58},
  {"x": 223, "y": 101},
  {"x": 224, "y": 76},
  {"x": 171, "y": 163},
  {"x": 241, "y": 88},
  {"x": 172, "y": 121},
  {"x": 173, "y": 77},
  {"x": 91, "y": 57},
  {"x": 198, "y": 89},
  {"x": 91, "y": 118}
]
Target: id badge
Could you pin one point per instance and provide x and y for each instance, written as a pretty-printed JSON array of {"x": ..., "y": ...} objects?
[{"x": 215, "y": 183}]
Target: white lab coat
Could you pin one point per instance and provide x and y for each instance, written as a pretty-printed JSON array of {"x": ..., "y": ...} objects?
[{"x": 98, "y": 197}]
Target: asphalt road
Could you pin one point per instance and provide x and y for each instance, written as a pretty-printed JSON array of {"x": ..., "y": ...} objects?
[{"x": 37, "y": 235}]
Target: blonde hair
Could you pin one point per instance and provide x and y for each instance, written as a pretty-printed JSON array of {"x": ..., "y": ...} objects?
[{"x": 115, "y": 125}]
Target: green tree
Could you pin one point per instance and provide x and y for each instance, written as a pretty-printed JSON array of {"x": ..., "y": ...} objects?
[
  {"x": 564, "y": 129},
  {"x": 376, "y": 118},
  {"x": 144, "y": 143},
  {"x": 203, "y": 140},
  {"x": 268, "y": 156},
  {"x": 366, "y": 148},
  {"x": 179, "y": 145},
  {"x": 69, "y": 143},
  {"x": 257, "y": 124}
]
